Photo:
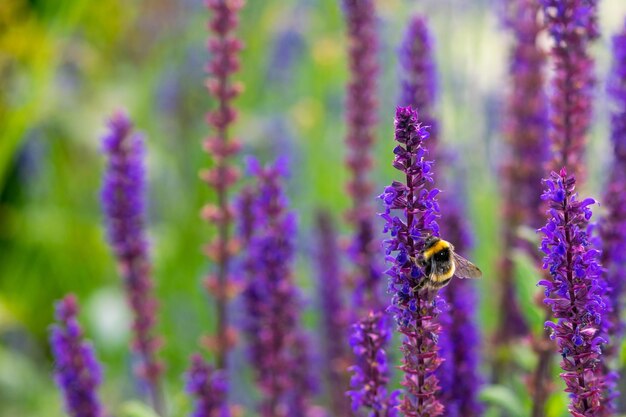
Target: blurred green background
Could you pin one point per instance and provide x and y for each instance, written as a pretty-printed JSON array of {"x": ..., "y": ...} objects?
[{"x": 65, "y": 65}]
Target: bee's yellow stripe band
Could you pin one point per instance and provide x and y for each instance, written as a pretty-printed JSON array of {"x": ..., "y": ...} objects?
[
  {"x": 444, "y": 277},
  {"x": 442, "y": 244}
]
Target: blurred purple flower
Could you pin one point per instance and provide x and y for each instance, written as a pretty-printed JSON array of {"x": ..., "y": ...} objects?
[
  {"x": 76, "y": 370},
  {"x": 459, "y": 342},
  {"x": 526, "y": 133},
  {"x": 272, "y": 299},
  {"x": 415, "y": 313},
  {"x": 572, "y": 25},
  {"x": 123, "y": 201},
  {"x": 613, "y": 225},
  {"x": 209, "y": 389},
  {"x": 574, "y": 291},
  {"x": 334, "y": 314},
  {"x": 224, "y": 47},
  {"x": 369, "y": 338},
  {"x": 361, "y": 109},
  {"x": 418, "y": 76}
]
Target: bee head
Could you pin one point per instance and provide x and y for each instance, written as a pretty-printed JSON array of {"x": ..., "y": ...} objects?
[{"x": 430, "y": 240}]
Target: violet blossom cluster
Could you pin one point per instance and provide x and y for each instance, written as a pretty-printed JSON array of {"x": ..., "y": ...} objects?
[
  {"x": 76, "y": 370},
  {"x": 334, "y": 314},
  {"x": 224, "y": 47},
  {"x": 458, "y": 373},
  {"x": 361, "y": 107},
  {"x": 415, "y": 313},
  {"x": 418, "y": 76},
  {"x": 526, "y": 133},
  {"x": 370, "y": 376},
  {"x": 459, "y": 342},
  {"x": 123, "y": 202},
  {"x": 272, "y": 299},
  {"x": 575, "y": 292},
  {"x": 208, "y": 387},
  {"x": 613, "y": 225},
  {"x": 572, "y": 24}
]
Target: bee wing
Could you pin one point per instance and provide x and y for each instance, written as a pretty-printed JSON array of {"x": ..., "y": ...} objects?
[{"x": 465, "y": 269}]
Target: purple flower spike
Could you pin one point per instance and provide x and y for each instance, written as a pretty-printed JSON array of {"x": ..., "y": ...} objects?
[
  {"x": 76, "y": 370},
  {"x": 371, "y": 373},
  {"x": 526, "y": 133},
  {"x": 574, "y": 291},
  {"x": 123, "y": 201},
  {"x": 417, "y": 75},
  {"x": 459, "y": 342},
  {"x": 209, "y": 389},
  {"x": 272, "y": 299},
  {"x": 224, "y": 47},
  {"x": 361, "y": 110},
  {"x": 613, "y": 225},
  {"x": 334, "y": 315},
  {"x": 415, "y": 313},
  {"x": 572, "y": 25}
]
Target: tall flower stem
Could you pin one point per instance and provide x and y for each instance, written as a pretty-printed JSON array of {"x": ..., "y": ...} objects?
[
  {"x": 277, "y": 344},
  {"x": 361, "y": 108},
  {"x": 413, "y": 308},
  {"x": 225, "y": 61},
  {"x": 334, "y": 314},
  {"x": 526, "y": 132},
  {"x": 575, "y": 292},
  {"x": 123, "y": 203},
  {"x": 572, "y": 25},
  {"x": 613, "y": 225}
]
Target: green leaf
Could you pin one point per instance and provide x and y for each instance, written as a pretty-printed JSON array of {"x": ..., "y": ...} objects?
[{"x": 503, "y": 397}]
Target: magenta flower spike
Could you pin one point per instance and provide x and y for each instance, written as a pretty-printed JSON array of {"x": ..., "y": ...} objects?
[
  {"x": 224, "y": 47},
  {"x": 526, "y": 132},
  {"x": 208, "y": 388},
  {"x": 460, "y": 340},
  {"x": 572, "y": 24},
  {"x": 418, "y": 76},
  {"x": 411, "y": 213},
  {"x": 613, "y": 225},
  {"x": 277, "y": 345},
  {"x": 123, "y": 202},
  {"x": 369, "y": 338},
  {"x": 334, "y": 314},
  {"x": 361, "y": 108},
  {"x": 76, "y": 370},
  {"x": 575, "y": 293}
]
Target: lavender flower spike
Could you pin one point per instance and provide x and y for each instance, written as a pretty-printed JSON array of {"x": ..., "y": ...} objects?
[
  {"x": 77, "y": 372},
  {"x": 361, "y": 109},
  {"x": 415, "y": 313},
  {"x": 460, "y": 342},
  {"x": 209, "y": 389},
  {"x": 123, "y": 202},
  {"x": 334, "y": 314},
  {"x": 224, "y": 47},
  {"x": 417, "y": 75},
  {"x": 371, "y": 373},
  {"x": 574, "y": 291},
  {"x": 572, "y": 25},
  {"x": 272, "y": 299},
  {"x": 613, "y": 225}
]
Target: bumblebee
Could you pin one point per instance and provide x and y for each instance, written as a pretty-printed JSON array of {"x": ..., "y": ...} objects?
[{"x": 440, "y": 263}]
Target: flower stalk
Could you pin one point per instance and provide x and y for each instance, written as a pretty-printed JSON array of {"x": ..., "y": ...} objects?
[
  {"x": 572, "y": 25},
  {"x": 123, "y": 202},
  {"x": 575, "y": 293},
  {"x": 224, "y": 47},
  {"x": 415, "y": 310}
]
